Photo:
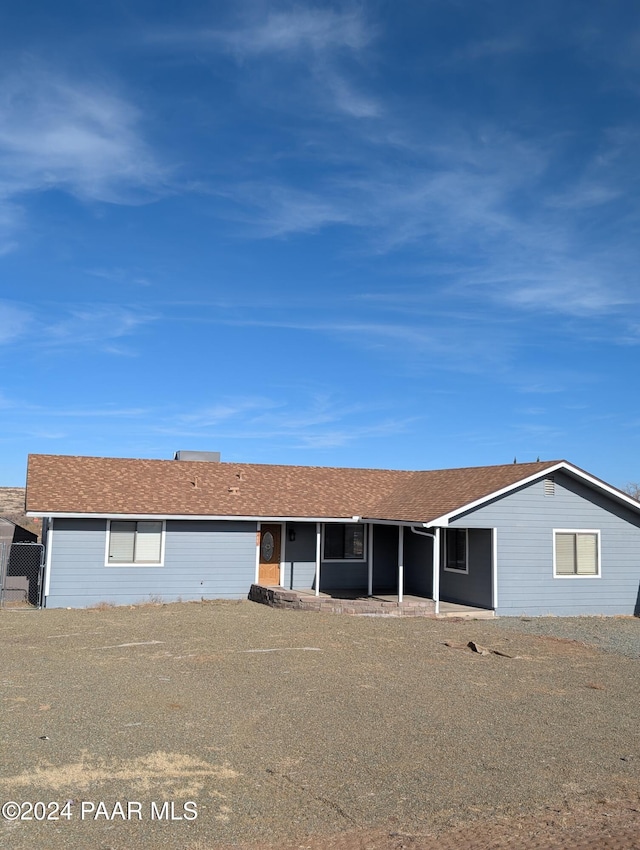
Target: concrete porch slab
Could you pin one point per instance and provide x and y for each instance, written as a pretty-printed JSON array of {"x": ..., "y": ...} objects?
[
  {"x": 354, "y": 603},
  {"x": 465, "y": 612}
]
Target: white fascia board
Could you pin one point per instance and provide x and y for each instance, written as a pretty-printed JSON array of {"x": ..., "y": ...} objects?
[
  {"x": 603, "y": 486},
  {"x": 405, "y": 522},
  {"x": 238, "y": 517},
  {"x": 565, "y": 467}
]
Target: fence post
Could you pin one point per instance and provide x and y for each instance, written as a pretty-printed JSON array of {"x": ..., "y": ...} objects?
[{"x": 4, "y": 557}]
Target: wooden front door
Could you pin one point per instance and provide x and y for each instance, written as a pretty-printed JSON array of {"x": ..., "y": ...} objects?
[{"x": 269, "y": 572}]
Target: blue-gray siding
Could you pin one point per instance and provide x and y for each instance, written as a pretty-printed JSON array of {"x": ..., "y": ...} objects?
[
  {"x": 525, "y": 520},
  {"x": 300, "y": 556},
  {"x": 203, "y": 559},
  {"x": 418, "y": 564},
  {"x": 475, "y": 587},
  {"x": 385, "y": 559}
]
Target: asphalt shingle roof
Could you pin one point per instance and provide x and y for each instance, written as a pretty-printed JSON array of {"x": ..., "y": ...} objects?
[{"x": 98, "y": 485}]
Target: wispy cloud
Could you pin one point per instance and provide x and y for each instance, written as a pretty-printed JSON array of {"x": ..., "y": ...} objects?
[
  {"x": 108, "y": 411},
  {"x": 83, "y": 138},
  {"x": 300, "y": 29},
  {"x": 517, "y": 227},
  {"x": 95, "y": 325},
  {"x": 416, "y": 339},
  {"x": 78, "y": 137},
  {"x": 319, "y": 41},
  {"x": 14, "y": 321},
  {"x": 482, "y": 208},
  {"x": 316, "y": 421},
  {"x": 491, "y": 48},
  {"x": 120, "y": 276},
  {"x": 221, "y": 413},
  {"x": 348, "y": 99},
  {"x": 297, "y": 30},
  {"x": 271, "y": 209}
]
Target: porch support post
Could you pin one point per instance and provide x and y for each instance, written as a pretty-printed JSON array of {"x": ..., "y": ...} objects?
[
  {"x": 436, "y": 570},
  {"x": 258, "y": 534},
  {"x": 494, "y": 568},
  {"x": 318, "y": 548},
  {"x": 370, "y": 561},
  {"x": 47, "y": 562},
  {"x": 400, "y": 564},
  {"x": 283, "y": 554}
]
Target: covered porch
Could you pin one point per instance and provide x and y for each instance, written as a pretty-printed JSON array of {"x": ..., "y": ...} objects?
[{"x": 386, "y": 568}]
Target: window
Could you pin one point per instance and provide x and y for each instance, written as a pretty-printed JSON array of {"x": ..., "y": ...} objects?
[
  {"x": 576, "y": 553},
  {"x": 455, "y": 550},
  {"x": 344, "y": 542},
  {"x": 135, "y": 542}
]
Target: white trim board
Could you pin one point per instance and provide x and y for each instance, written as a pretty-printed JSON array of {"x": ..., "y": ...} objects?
[
  {"x": 574, "y": 576},
  {"x": 136, "y": 564},
  {"x": 216, "y": 517}
]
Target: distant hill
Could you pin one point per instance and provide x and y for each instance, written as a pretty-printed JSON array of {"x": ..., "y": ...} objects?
[
  {"x": 11, "y": 500},
  {"x": 12, "y": 507}
]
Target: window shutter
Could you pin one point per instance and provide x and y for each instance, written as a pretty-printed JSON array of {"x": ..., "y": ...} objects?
[
  {"x": 121, "y": 541},
  {"x": 565, "y": 554},
  {"x": 148, "y": 542},
  {"x": 587, "y": 554}
]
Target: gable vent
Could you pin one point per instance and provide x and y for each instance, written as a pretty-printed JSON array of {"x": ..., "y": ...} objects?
[{"x": 550, "y": 486}]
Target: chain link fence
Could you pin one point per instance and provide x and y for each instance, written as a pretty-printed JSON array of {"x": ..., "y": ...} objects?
[{"x": 21, "y": 572}]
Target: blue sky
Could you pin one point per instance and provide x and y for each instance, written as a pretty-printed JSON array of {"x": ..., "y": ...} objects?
[{"x": 364, "y": 234}]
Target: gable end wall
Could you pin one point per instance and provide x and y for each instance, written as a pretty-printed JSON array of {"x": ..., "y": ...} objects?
[{"x": 525, "y": 520}]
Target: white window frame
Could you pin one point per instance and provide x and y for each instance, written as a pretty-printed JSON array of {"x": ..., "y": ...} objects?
[
  {"x": 142, "y": 564},
  {"x": 465, "y": 571},
  {"x": 595, "y": 531},
  {"x": 361, "y": 560}
]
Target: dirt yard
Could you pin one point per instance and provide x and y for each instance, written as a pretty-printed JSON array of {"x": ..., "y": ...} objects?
[{"x": 207, "y": 726}]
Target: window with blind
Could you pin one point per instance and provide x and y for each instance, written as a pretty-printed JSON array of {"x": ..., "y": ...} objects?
[
  {"x": 576, "y": 553},
  {"x": 135, "y": 542}
]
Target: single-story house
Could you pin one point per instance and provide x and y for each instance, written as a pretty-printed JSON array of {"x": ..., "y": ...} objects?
[{"x": 528, "y": 538}]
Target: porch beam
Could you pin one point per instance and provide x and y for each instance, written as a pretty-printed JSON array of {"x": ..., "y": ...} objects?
[
  {"x": 318, "y": 553},
  {"x": 436, "y": 570},
  {"x": 400, "y": 564}
]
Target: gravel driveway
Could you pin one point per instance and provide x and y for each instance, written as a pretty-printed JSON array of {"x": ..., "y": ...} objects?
[{"x": 291, "y": 726}]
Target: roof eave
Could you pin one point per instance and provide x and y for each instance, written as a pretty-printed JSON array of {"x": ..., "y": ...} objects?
[{"x": 234, "y": 517}]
